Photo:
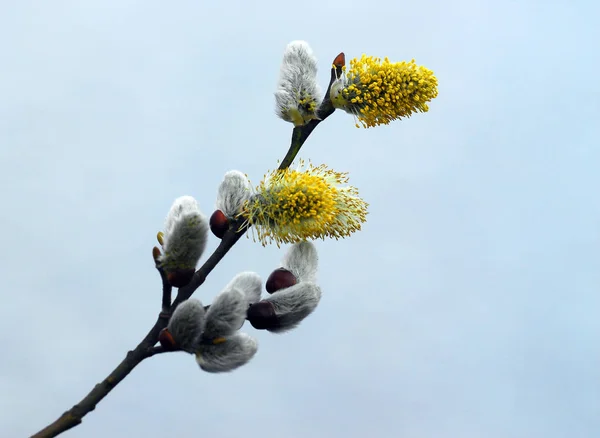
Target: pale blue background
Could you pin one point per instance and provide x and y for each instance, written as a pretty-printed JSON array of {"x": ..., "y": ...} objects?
[{"x": 467, "y": 307}]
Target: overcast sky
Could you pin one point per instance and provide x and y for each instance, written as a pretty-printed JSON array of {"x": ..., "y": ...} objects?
[{"x": 467, "y": 307}]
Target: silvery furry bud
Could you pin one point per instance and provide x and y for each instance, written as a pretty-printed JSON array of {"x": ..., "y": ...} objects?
[
  {"x": 185, "y": 325},
  {"x": 298, "y": 94},
  {"x": 184, "y": 240},
  {"x": 226, "y": 314},
  {"x": 234, "y": 191},
  {"x": 302, "y": 260},
  {"x": 294, "y": 304},
  {"x": 249, "y": 283},
  {"x": 227, "y": 355}
]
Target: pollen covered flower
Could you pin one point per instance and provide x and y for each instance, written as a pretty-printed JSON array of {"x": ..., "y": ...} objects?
[
  {"x": 307, "y": 203},
  {"x": 377, "y": 91},
  {"x": 298, "y": 94}
]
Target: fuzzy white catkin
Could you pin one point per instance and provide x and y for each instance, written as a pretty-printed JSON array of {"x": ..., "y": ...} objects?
[
  {"x": 297, "y": 80},
  {"x": 234, "y": 191},
  {"x": 237, "y": 350},
  {"x": 249, "y": 283},
  {"x": 302, "y": 260},
  {"x": 226, "y": 314},
  {"x": 186, "y": 324},
  {"x": 185, "y": 235},
  {"x": 293, "y": 304}
]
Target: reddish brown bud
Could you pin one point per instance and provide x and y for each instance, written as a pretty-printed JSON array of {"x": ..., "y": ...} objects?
[
  {"x": 218, "y": 224},
  {"x": 180, "y": 277},
  {"x": 166, "y": 340},
  {"x": 262, "y": 315},
  {"x": 156, "y": 253},
  {"x": 280, "y": 279},
  {"x": 340, "y": 60}
]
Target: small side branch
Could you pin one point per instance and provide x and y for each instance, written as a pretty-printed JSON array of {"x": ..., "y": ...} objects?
[
  {"x": 166, "y": 286},
  {"x": 166, "y": 290}
]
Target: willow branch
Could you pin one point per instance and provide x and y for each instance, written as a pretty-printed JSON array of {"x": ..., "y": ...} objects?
[{"x": 146, "y": 348}]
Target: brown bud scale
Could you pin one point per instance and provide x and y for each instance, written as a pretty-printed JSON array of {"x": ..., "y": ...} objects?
[
  {"x": 166, "y": 340},
  {"x": 262, "y": 316},
  {"x": 340, "y": 60},
  {"x": 219, "y": 223},
  {"x": 180, "y": 277},
  {"x": 280, "y": 279}
]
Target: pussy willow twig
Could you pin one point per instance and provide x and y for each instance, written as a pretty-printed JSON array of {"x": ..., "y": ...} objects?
[{"x": 146, "y": 348}]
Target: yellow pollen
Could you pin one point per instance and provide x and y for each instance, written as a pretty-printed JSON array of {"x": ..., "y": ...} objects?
[
  {"x": 378, "y": 92},
  {"x": 295, "y": 205}
]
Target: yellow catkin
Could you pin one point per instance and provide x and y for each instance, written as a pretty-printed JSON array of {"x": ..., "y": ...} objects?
[
  {"x": 294, "y": 205},
  {"x": 377, "y": 91}
]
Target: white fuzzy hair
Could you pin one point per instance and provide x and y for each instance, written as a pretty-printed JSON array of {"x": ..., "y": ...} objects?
[
  {"x": 234, "y": 191},
  {"x": 293, "y": 304},
  {"x": 249, "y": 283},
  {"x": 297, "y": 80},
  {"x": 302, "y": 260},
  {"x": 235, "y": 351},
  {"x": 185, "y": 236},
  {"x": 226, "y": 314},
  {"x": 186, "y": 324}
]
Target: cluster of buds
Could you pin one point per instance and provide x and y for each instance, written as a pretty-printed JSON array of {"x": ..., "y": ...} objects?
[
  {"x": 293, "y": 291},
  {"x": 212, "y": 335}
]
